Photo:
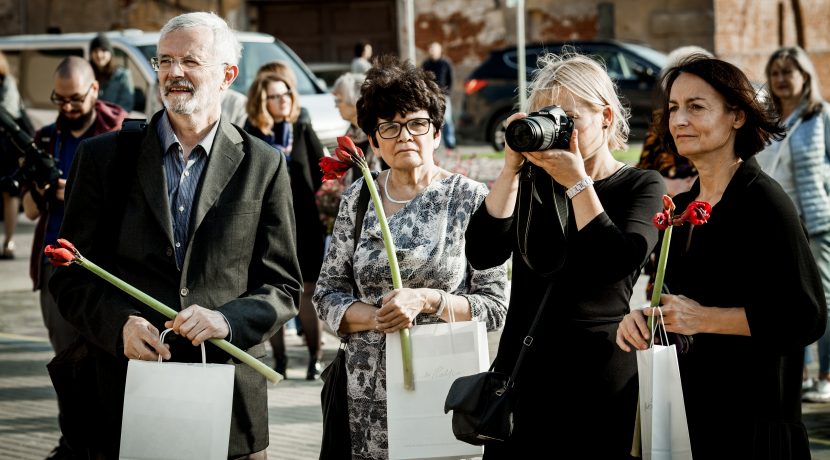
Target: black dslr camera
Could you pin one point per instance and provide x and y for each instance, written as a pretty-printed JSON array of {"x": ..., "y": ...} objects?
[
  {"x": 38, "y": 167},
  {"x": 547, "y": 128}
]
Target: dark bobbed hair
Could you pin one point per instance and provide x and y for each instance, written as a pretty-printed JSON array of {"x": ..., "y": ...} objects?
[
  {"x": 811, "y": 92},
  {"x": 760, "y": 127},
  {"x": 393, "y": 87}
]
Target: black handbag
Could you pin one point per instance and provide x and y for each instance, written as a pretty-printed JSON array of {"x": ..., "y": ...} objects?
[
  {"x": 482, "y": 404},
  {"x": 337, "y": 441}
]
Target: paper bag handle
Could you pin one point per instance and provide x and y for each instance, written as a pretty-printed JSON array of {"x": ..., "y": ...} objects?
[
  {"x": 161, "y": 340},
  {"x": 662, "y": 329}
]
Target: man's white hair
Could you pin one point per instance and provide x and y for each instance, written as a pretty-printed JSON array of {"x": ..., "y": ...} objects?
[{"x": 227, "y": 47}]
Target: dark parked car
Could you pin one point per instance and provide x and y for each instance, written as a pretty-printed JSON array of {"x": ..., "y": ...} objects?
[{"x": 491, "y": 90}]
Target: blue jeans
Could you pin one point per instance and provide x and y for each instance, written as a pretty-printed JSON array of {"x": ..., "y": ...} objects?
[
  {"x": 820, "y": 247},
  {"x": 448, "y": 131}
]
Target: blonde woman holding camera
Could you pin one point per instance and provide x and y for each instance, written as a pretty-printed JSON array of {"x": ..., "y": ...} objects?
[{"x": 591, "y": 266}]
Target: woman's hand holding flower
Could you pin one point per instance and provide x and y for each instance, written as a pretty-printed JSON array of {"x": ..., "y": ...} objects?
[
  {"x": 681, "y": 314},
  {"x": 399, "y": 309}
]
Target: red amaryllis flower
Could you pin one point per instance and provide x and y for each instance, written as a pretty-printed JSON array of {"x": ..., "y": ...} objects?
[
  {"x": 697, "y": 212},
  {"x": 67, "y": 245},
  {"x": 333, "y": 169},
  {"x": 662, "y": 220},
  {"x": 59, "y": 257},
  {"x": 346, "y": 150},
  {"x": 347, "y": 154}
]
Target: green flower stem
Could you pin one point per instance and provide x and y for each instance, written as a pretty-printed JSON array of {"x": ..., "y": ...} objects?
[
  {"x": 232, "y": 350},
  {"x": 406, "y": 341},
  {"x": 636, "y": 446},
  {"x": 658, "y": 278}
]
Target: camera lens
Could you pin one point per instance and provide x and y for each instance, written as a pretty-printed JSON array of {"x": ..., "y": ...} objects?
[{"x": 531, "y": 134}]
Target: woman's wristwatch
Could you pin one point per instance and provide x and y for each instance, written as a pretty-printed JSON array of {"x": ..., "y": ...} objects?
[
  {"x": 579, "y": 186},
  {"x": 442, "y": 304}
]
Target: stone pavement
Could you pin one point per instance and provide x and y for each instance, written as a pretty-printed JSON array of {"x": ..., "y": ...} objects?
[{"x": 28, "y": 410}]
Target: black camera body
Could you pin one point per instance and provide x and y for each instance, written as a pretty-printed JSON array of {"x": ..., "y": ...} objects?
[
  {"x": 38, "y": 167},
  {"x": 547, "y": 128}
]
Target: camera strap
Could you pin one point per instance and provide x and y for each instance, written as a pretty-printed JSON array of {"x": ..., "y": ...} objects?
[{"x": 542, "y": 222}]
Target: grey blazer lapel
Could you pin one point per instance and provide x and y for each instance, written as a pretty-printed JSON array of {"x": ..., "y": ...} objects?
[
  {"x": 225, "y": 156},
  {"x": 151, "y": 177}
]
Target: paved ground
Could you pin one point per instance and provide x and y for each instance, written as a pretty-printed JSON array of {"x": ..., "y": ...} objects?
[{"x": 28, "y": 411}]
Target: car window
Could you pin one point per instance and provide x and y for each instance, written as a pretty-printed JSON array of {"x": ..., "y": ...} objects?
[
  {"x": 140, "y": 83},
  {"x": 254, "y": 55},
  {"x": 39, "y": 68}
]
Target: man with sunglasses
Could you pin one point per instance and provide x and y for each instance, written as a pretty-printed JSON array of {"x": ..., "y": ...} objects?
[
  {"x": 80, "y": 116},
  {"x": 201, "y": 220}
]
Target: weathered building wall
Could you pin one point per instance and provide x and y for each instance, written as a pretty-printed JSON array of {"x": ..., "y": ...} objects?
[
  {"x": 42, "y": 16},
  {"x": 747, "y": 32},
  {"x": 742, "y": 31},
  {"x": 665, "y": 24},
  {"x": 469, "y": 29}
]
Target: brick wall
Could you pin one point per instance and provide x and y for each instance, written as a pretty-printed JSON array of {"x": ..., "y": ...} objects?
[{"x": 747, "y": 33}]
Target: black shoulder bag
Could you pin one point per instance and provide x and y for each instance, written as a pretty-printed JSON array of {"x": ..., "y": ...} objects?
[
  {"x": 483, "y": 403},
  {"x": 74, "y": 371},
  {"x": 337, "y": 442}
]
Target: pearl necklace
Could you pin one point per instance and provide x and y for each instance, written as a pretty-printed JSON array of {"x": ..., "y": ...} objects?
[{"x": 386, "y": 191}]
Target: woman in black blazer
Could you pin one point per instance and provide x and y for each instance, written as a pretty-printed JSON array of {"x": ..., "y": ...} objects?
[{"x": 275, "y": 116}]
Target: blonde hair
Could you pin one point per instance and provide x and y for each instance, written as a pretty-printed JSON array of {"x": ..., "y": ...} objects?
[{"x": 586, "y": 79}]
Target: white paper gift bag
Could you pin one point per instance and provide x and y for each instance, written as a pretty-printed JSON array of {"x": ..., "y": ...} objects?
[
  {"x": 418, "y": 426},
  {"x": 663, "y": 426},
  {"x": 177, "y": 410}
]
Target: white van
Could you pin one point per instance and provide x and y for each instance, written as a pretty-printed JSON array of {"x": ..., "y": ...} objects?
[{"x": 33, "y": 59}]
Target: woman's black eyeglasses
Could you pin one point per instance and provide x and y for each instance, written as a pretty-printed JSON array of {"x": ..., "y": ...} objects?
[{"x": 415, "y": 126}]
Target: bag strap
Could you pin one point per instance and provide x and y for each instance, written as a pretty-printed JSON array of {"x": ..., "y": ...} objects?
[
  {"x": 362, "y": 205},
  {"x": 128, "y": 142},
  {"x": 528, "y": 196},
  {"x": 528, "y": 340}
]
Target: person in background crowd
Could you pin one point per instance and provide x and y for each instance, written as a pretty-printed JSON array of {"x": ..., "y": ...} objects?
[
  {"x": 205, "y": 226},
  {"x": 442, "y": 69},
  {"x": 115, "y": 82},
  {"x": 362, "y": 56},
  {"x": 81, "y": 115},
  {"x": 9, "y": 155},
  {"x": 744, "y": 285},
  {"x": 275, "y": 116},
  {"x": 428, "y": 208},
  {"x": 234, "y": 107},
  {"x": 346, "y": 91},
  {"x": 607, "y": 239},
  {"x": 800, "y": 163},
  {"x": 678, "y": 172}
]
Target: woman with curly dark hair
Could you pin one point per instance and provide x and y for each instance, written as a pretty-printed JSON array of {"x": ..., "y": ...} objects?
[{"x": 401, "y": 109}]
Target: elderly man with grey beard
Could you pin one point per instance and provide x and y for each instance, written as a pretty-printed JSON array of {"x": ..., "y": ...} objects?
[{"x": 205, "y": 226}]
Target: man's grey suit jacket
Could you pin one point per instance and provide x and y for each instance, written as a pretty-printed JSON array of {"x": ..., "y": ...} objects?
[{"x": 241, "y": 260}]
